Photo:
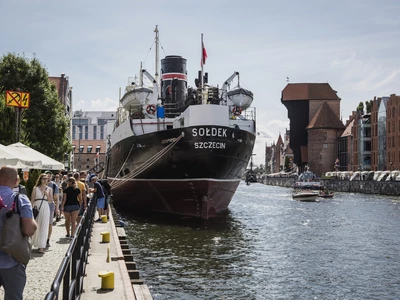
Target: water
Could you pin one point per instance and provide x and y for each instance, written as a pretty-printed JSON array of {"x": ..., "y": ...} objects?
[{"x": 269, "y": 246}]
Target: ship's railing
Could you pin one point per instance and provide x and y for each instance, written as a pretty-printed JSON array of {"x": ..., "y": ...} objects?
[
  {"x": 68, "y": 283},
  {"x": 247, "y": 114}
]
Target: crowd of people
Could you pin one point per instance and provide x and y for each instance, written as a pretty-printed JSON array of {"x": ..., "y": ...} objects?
[{"x": 54, "y": 196}]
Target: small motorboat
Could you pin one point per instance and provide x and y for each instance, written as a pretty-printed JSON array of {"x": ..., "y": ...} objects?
[
  {"x": 305, "y": 196},
  {"x": 323, "y": 194}
]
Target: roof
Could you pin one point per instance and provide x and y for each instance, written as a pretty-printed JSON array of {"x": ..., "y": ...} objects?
[
  {"x": 309, "y": 91},
  {"x": 347, "y": 131},
  {"x": 279, "y": 142},
  {"x": 325, "y": 118}
]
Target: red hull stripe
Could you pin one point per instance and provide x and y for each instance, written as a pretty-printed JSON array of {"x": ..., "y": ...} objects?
[{"x": 169, "y": 76}]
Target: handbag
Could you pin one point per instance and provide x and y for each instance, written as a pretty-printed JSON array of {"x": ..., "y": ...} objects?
[
  {"x": 35, "y": 210},
  {"x": 12, "y": 240}
]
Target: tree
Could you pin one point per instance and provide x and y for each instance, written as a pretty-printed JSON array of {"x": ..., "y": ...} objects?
[
  {"x": 44, "y": 126},
  {"x": 360, "y": 108},
  {"x": 368, "y": 105},
  {"x": 7, "y": 123}
]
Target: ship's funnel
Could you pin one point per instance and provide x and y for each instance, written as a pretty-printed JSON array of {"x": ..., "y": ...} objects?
[{"x": 173, "y": 80}]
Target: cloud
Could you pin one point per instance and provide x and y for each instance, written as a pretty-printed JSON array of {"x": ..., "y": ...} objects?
[{"x": 99, "y": 104}]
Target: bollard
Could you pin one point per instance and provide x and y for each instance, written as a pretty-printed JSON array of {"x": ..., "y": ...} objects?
[
  {"x": 107, "y": 280},
  {"x": 104, "y": 219},
  {"x": 105, "y": 236}
]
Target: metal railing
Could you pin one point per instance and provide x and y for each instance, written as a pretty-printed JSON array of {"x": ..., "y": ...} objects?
[{"x": 72, "y": 269}]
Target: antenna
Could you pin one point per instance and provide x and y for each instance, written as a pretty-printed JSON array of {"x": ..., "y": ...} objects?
[{"x": 157, "y": 50}]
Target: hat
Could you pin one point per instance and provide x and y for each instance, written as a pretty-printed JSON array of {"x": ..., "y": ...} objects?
[
  {"x": 48, "y": 172},
  {"x": 91, "y": 177}
]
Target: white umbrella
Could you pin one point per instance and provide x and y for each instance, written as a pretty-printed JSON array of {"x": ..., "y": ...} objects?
[
  {"x": 23, "y": 151},
  {"x": 8, "y": 158}
]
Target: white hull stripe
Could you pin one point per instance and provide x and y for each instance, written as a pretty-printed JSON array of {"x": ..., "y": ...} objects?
[
  {"x": 169, "y": 76},
  {"x": 175, "y": 180}
]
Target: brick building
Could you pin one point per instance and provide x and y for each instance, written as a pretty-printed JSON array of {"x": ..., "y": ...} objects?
[
  {"x": 314, "y": 113},
  {"x": 90, "y": 130},
  {"x": 64, "y": 91},
  {"x": 393, "y": 133}
]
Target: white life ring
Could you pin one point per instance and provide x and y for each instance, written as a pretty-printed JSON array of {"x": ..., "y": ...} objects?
[{"x": 151, "y": 109}]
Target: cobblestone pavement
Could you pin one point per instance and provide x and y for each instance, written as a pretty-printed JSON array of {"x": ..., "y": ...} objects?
[{"x": 42, "y": 268}]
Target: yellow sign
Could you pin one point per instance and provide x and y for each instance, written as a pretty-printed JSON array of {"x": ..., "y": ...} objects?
[{"x": 18, "y": 99}]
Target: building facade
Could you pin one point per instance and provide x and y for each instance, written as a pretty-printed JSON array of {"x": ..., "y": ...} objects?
[
  {"x": 90, "y": 134},
  {"x": 64, "y": 90},
  {"x": 315, "y": 125}
]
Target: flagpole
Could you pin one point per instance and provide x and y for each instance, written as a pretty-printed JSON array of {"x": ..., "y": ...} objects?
[{"x": 202, "y": 63}]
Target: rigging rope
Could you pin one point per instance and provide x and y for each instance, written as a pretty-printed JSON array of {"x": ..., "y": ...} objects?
[{"x": 145, "y": 165}]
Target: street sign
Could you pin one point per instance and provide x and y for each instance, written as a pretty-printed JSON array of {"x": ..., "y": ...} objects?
[{"x": 17, "y": 99}]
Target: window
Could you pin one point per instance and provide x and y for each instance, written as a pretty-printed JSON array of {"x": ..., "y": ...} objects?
[
  {"x": 95, "y": 132},
  {"x": 81, "y": 149},
  {"x": 86, "y": 132},
  {"x": 325, "y": 135},
  {"x": 98, "y": 149},
  {"x": 325, "y": 145},
  {"x": 102, "y": 132},
  {"x": 80, "y": 122},
  {"x": 101, "y": 121},
  {"x": 73, "y": 148},
  {"x": 89, "y": 149}
]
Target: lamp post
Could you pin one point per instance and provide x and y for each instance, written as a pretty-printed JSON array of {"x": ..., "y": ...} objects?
[{"x": 79, "y": 114}]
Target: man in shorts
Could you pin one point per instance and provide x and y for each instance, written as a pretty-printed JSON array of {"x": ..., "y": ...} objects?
[
  {"x": 12, "y": 273},
  {"x": 101, "y": 198}
]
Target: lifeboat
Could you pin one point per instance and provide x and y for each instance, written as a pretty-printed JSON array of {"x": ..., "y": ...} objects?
[
  {"x": 136, "y": 97},
  {"x": 240, "y": 97}
]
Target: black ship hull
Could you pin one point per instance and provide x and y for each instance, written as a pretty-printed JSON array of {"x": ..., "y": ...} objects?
[{"x": 192, "y": 171}]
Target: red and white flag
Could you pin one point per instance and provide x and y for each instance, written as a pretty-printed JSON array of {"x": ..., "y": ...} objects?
[{"x": 203, "y": 55}]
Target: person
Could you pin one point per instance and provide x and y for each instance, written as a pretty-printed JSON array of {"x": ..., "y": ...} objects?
[
  {"x": 12, "y": 273},
  {"x": 19, "y": 188},
  {"x": 70, "y": 206},
  {"x": 101, "y": 198},
  {"x": 53, "y": 205},
  {"x": 58, "y": 182},
  {"x": 41, "y": 195},
  {"x": 107, "y": 192},
  {"x": 83, "y": 203}
]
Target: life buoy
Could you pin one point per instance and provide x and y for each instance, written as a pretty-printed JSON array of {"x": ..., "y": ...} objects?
[
  {"x": 151, "y": 109},
  {"x": 237, "y": 111}
]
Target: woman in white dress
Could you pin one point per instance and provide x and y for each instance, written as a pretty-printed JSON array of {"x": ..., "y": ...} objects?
[{"x": 41, "y": 194}]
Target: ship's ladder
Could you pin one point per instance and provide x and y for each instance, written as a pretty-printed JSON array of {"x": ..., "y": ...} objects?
[{"x": 120, "y": 181}]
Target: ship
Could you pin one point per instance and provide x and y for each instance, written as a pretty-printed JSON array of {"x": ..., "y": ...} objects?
[{"x": 178, "y": 149}]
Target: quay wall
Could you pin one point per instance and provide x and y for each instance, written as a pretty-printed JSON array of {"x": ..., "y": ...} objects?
[{"x": 359, "y": 186}]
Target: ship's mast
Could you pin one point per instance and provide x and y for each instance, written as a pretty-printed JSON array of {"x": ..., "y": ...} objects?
[
  {"x": 202, "y": 75},
  {"x": 157, "y": 50},
  {"x": 141, "y": 74}
]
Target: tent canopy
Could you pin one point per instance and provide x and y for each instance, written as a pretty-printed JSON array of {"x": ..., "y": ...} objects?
[
  {"x": 23, "y": 152},
  {"x": 9, "y": 158}
]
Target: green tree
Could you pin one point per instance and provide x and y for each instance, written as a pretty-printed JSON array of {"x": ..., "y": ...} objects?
[
  {"x": 7, "y": 123},
  {"x": 368, "y": 105},
  {"x": 44, "y": 126},
  {"x": 360, "y": 107}
]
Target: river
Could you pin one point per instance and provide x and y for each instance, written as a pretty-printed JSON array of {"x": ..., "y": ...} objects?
[{"x": 269, "y": 246}]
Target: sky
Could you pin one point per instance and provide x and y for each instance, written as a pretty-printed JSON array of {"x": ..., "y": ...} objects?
[{"x": 354, "y": 45}]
